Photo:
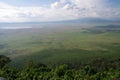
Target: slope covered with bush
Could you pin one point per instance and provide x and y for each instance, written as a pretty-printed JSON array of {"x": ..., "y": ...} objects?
[{"x": 99, "y": 69}]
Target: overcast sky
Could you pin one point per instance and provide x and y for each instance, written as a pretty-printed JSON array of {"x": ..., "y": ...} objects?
[{"x": 57, "y": 10}]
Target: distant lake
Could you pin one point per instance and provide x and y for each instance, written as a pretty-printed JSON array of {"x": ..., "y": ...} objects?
[{"x": 15, "y": 27}]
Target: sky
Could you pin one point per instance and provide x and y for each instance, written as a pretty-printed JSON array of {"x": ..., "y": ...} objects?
[{"x": 57, "y": 10}]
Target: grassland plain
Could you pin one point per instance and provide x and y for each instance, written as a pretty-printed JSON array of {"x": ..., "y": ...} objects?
[{"x": 53, "y": 46}]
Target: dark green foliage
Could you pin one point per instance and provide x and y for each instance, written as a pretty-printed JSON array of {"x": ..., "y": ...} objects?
[
  {"x": 99, "y": 69},
  {"x": 4, "y": 60},
  {"x": 104, "y": 29},
  {"x": 8, "y": 73}
]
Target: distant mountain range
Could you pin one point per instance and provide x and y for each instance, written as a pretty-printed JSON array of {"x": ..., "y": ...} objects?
[
  {"x": 83, "y": 20},
  {"x": 90, "y": 20}
]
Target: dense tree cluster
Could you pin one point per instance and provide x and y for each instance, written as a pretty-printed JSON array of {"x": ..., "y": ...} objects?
[
  {"x": 4, "y": 60},
  {"x": 99, "y": 69}
]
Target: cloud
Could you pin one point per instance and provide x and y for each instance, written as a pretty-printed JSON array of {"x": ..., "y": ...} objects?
[
  {"x": 87, "y": 8},
  {"x": 57, "y": 11}
]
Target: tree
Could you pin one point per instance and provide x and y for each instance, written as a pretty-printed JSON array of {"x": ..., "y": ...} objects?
[{"x": 4, "y": 60}]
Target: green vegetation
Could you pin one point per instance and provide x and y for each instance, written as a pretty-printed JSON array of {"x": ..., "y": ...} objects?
[
  {"x": 61, "y": 53},
  {"x": 58, "y": 45},
  {"x": 3, "y": 60},
  {"x": 104, "y": 29},
  {"x": 99, "y": 69}
]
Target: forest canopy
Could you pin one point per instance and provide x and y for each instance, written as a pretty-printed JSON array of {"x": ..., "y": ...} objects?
[{"x": 99, "y": 69}]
